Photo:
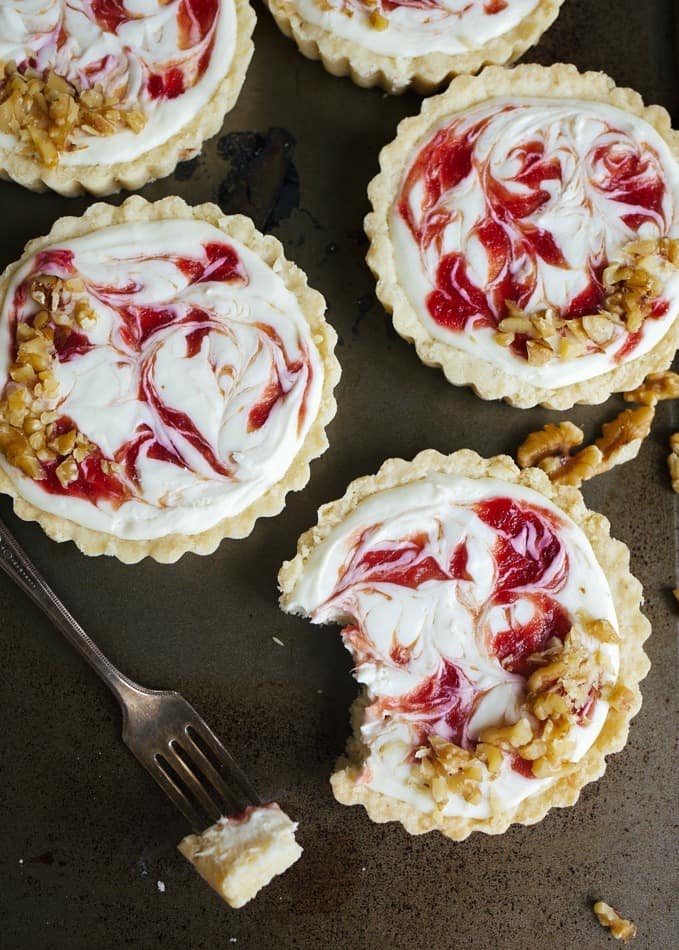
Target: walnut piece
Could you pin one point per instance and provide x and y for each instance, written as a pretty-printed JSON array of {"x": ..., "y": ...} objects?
[
  {"x": 619, "y": 927},
  {"x": 621, "y": 438},
  {"x": 656, "y": 387},
  {"x": 673, "y": 461},
  {"x": 45, "y": 112},
  {"x": 551, "y": 441}
]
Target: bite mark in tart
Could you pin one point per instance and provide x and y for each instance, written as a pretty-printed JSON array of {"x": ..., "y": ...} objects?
[
  {"x": 526, "y": 235},
  {"x": 96, "y": 95},
  {"x": 496, "y": 633},
  {"x": 419, "y": 43},
  {"x": 166, "y": 377}
]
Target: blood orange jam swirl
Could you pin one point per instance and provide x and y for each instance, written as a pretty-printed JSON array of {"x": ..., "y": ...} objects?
[
  {"x": 446, "y": 586},
  {"x": 166, "y": 57},
  {"x": 199, "y": 379},
  {"x": 528, "y": 201},
  {"x": 418, "y": 27}
]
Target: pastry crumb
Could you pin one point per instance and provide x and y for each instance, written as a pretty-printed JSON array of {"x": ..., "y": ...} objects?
[
  {"x": 278, "y": 641},
  {"x": 620, "y": 927},
  {"x": 161, "y": 886},
  {"x": 240, "y": 855}
]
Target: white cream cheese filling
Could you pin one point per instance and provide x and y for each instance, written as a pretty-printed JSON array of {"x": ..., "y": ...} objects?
[
  {"x": 584, "y": 220},
  {"x": 147, "y": 43},
  {"x": 415, "y": 29},
  {"x": 439, "y": 622},
  {"x": 253, "y": 332}
]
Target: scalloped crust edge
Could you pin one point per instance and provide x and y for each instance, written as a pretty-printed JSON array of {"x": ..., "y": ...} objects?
[
  {"x": 158, "y": 162},
  {"x": 395, "y": 74},
  {"x": 170, "y": 548},
  {"x": 612, "y": 555},
  {"x": 486, "y": 379}
]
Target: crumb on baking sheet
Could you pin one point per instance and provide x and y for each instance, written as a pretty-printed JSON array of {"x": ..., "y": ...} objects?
[
  {"x": 278, "y": 641},
  {"x": 161, "y": 886},
  {"x": 620, "y": 927}
]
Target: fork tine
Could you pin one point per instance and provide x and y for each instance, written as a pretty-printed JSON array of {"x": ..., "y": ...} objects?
[
  {"x": 232, "y": 797},
  {"x": 228, "y": 769},
  {"x": 181, "y": 762},
  {"x": 173, "y": 792}
]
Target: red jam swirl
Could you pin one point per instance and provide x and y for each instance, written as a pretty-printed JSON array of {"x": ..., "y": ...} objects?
[
  {"x": 628, "y": 173},
  {"x": 133, "y": 342},
  {"x": 530, "y": 564}
]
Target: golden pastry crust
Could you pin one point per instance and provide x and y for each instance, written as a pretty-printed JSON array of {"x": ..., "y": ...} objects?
[
  {"x": 158, "y": 162},
  {"x": 488, "y": 380},
  {"x": 395, "y": 74},
  {"x": 634, "y": 628},
  {"x": 171, "y": 547}
]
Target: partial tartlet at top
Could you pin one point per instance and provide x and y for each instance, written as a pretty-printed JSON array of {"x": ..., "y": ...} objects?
[
  {"x": 98, "y": 96},
  {"x": 525, "y": 235},
  {"x": 495, "y": 631},
  {"x": 166, "y": 376},
  {"x": 397, "y": 44}
]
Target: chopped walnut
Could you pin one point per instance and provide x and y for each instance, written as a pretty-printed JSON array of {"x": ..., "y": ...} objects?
[
  {"x": 656, "y": 387},
  {"x": 621, "y": 438},
  {"x": 631, "y": 289},
  {"x": 28, "y": 433},
  {"x": 45, "y": 112},
  {"x": 619, "y": 927},
  {"x": 378, "y": 21},
  {"x": 551, "y": 441},
  {"x": 448, "y": 769},
  {"x": 673, "y": 461}
]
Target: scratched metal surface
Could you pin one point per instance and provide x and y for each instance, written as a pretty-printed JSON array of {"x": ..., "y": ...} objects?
[{"x": 86, "y": 836}]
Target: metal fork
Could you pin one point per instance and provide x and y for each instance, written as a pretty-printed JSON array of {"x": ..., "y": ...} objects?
[{"x": 161, "y": 729}]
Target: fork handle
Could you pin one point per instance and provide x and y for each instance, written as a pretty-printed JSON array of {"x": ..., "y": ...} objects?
[{"x": 16, "y": 564}]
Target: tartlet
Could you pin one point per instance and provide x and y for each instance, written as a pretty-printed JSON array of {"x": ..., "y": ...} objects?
[
  {"x": 496, "y": 632},
  {"x": 525, "y": 235},
  {"x": 166, "y": 376},
  {"x": 398, "y": 44},
  {"x": 100, "y": 96}
]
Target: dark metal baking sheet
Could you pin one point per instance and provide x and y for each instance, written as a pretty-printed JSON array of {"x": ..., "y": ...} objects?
[{"x": 86, "y": 836}]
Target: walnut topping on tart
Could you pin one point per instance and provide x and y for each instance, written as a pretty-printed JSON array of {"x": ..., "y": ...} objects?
[
  {"x": 32, "y": 434},
  {"x": 44, "y": 111},
  {"x": 620, "y": 927}
]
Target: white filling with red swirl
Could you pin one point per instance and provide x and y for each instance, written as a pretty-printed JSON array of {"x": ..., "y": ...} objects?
[
  {"x": 580, "y": 146},
  {"x": 226, "y": 348},
  {"x": 195, "y": 37},
  {"x": 418, "y": 27},
  {"x": 405, "y": 639}
]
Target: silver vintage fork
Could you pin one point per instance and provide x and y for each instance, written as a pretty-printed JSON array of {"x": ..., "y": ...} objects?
[{"x": 160, "y": 728}]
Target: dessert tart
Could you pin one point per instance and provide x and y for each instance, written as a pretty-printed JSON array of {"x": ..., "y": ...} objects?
[
  {"x": 496, "y": 633},
  {"x": 525, "y": 235},
  {"x": 241, "y": 854},
  {"x": 98, "y": 95},
  {"x": 166, "y": 377},
  {"x": 420, "y": 43}
]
